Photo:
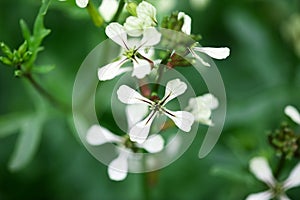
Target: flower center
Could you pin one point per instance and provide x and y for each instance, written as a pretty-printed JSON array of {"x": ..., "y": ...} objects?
[
  {"x": 130, "y": 53},
  {"x": 278, "y": 190}
]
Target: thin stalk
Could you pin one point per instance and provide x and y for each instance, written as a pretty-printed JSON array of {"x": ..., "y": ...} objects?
[
  {"x": 45, "y": 94},
  {"x": 95, "y": 15},
  {"x": 119, "y": 11},
  {"x": 160, "y": 72},
  {"x": 280, "y": 166}
]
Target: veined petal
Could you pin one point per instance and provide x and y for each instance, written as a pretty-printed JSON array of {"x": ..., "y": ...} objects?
[
  {"x": 182, "y": 119},
  {"x": 117, "y": 33},
  {"x": 112, "y": 70},
  {"x": 135, "y": 113},
  {"x": 108, "y": 8},
  {"x": 140, "y": 131},
  {"x": 154, "y": 144},
  {"x": 98, "y": 135},
  {"x": 150, "y": 37},
  {"x": 134, "y": 26},
  {"x": 118, "y": 168},
  {"x": 293, "y": 113},
  {"x": 294, "y": 178},
  {"x": 174, "y": 88},
  {"x": 187, "y": 23},
  {"x": 146, "y": 11},
  {"x": 284, "y": 197},
  {"x": 267, "y": 195},
  {"x": 217, "y": 53},
  {"x": 82, "y": 3},
  {"x": 141, "y": 68},
  {"x": 128, "y": 95},
  {"x": 199, "y": 58},
  {"x": 261, "y": 169}
]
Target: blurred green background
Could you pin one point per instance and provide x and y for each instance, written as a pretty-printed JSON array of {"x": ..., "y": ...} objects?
[{"x": 262, "y": 76}]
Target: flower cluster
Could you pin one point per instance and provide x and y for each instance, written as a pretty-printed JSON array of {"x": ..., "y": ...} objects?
[{"x": 137, "y": 38}]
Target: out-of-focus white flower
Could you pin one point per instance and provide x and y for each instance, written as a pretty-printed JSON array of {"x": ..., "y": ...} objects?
[
  {"x": 201, "y": 108},
  {"x": 132, "y": 48},
  {"x": 293, "y": 113},
  {"x": 140, "y": 131},
  {"x": 217, "y": 53},
  {"x": 187, "y": 23},
  {"x": 261, "y": 169},
  {"x": 108, "y": 9},
  {"x": 146, "y": 17},
  {"x": 82, "y": 3}
]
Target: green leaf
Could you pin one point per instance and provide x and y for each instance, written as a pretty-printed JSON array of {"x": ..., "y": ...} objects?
[
  {"x": 43, "y": 69},
  {"x": 39, "y": 32},
  {"x": 25, "y": 30},
  {"x": 11, "y": 123},
  {"x": 27, "y": 142}
]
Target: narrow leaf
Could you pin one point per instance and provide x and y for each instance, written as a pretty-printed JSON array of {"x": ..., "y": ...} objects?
[
  {"x": 11, "y": 123},
  {"x": 25, "y": 30},
  {"x": 27, "y": 142},
  {"x": 43, "y": 69}
]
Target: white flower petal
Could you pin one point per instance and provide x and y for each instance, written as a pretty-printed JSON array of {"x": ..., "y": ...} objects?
[
  {"x": 141, "y": 68},
  {"x": 284, "y": 197},
  {"x": 294, "y": 178},
  {"x": 98, "y": 135},
  {"x": 187, "y": 23},
  {"x": 217, "y": 53},
  {"x": 146, "y": 12},
  {"x": 112, "y": 70},
  {"x": 150, "y": 37},
  {"x": 209, "y": 100},
  {"x": 108, "y": 8},
  {"x": 267, "y": 195},
  {"x": 199, "y": 58},
  {"x": 154, "y": 144},
  {"x": 128, "y": 95},
  {"x": 134, "y": 26},
  {"x": 140, "y": 131},
  {"x": 118, "y": 168},
  {"x": 117, "y": 33},
  {"x": 135, "y": 113},
  {"x": 182, "y": 119},
  {"x": 174, "y": 88},
  {"x": 293, "y": 113},
  {"x": 261, "y": 169},
  {"x": 82, "y": 3}
]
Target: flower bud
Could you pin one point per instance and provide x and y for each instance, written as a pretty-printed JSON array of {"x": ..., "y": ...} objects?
[
  {"x": 5, "y": 61},
  {"x": 131, "y": 8},
  {"x": 6, "y": 50},
  {"x": 22, "y": 49}
]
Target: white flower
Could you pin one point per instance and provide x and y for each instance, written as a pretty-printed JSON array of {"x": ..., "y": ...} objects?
[
  {"x": 108, "y": 8},
  {"x": 133, "y": 50},
  {"x": 140, "y": 131},
  {"x": 118, "y": 168},
  {"x": 82, "y": 3},
  {"x": 146, "y": 18},
  {"x": 187, "y": 23},
  {"x": 201, "y": 108},
  {"x": 293, "y": 113},
  {"x": 217, "y": 53},
  {"x": 261, "y": 169}
]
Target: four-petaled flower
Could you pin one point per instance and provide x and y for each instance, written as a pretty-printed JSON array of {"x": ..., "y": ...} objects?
[
  {"x": 201, "y": 108},
  {"x": 133, "y": 51},
  {"x": 146, "y": 18},
  {"x": 293, "y": 113},
  {"x": 140, "y": 131},
  {"x": 217, "y": 53},
  {"x": 261, "y": 169},
  {"x": 118, "y": 168}
]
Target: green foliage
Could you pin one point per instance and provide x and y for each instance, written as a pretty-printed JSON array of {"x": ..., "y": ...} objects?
[{"x": 28, "y": 141}]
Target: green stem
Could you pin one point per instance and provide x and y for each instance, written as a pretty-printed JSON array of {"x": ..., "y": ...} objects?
[
  {"x": 45, "y": 94},
  {"x": 160, "y": 72},
  {"x": 119, "y": 11},
  {"x": 95, "y": 15},
  {"x": 280, "y": 166},
  {"x": 146, "y": 188}
]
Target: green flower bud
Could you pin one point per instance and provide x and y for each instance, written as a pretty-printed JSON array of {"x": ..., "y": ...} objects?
[
  {"x": 6, "y": 50},
  {"x": 27, "y": 55},
  {"x": 131, "y": 8},
  {"x": 18, "y": 73},
  {"x": 22, "y": 49},
  {"x": 5, "y": 61}
]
